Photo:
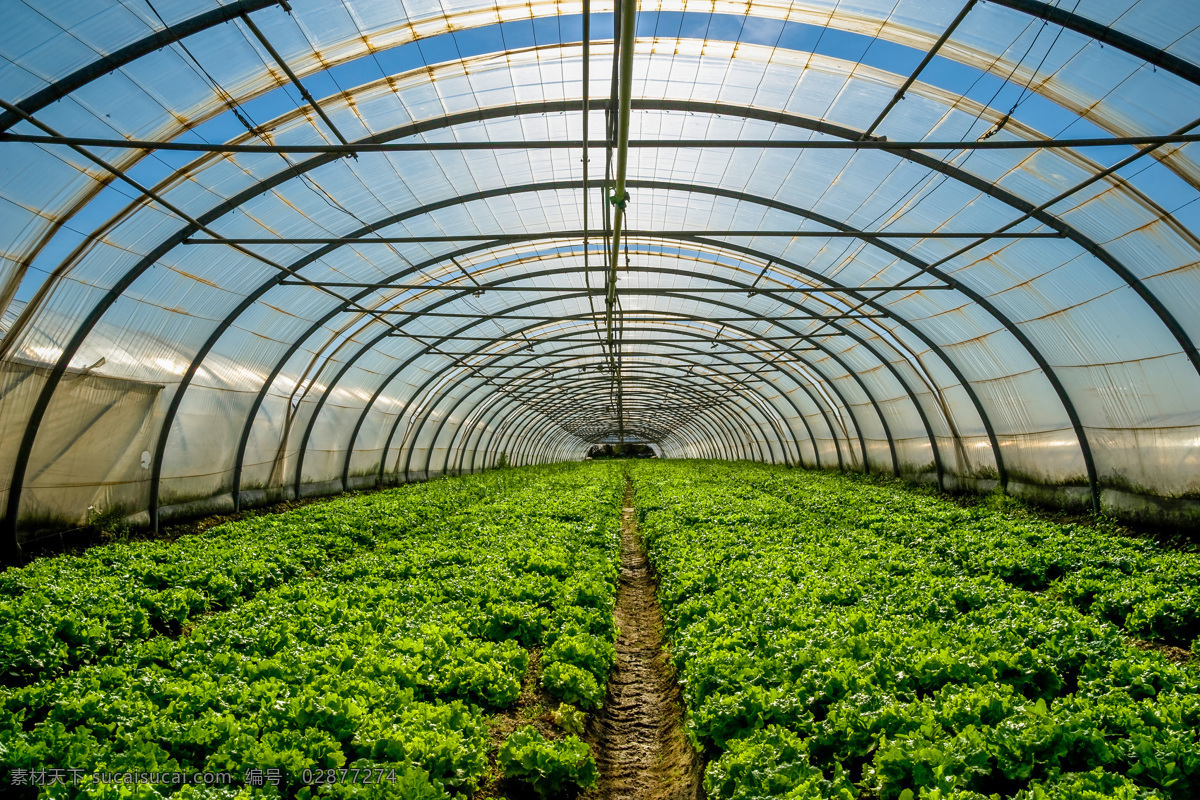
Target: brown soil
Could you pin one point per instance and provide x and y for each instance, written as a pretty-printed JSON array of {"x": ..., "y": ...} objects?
[
  {"x": 638, "y": 737},
  {"x": 1177, "y": 654},
  {"x": 533, "y": 707}
]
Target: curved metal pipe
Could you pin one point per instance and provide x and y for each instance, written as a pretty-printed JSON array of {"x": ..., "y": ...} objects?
[
  {"x": 780, "y": 426},
  {"x": 830, "y": 353},
  {"x": 587, "y": 383},
  {"x": 748, "y": 334},
  {"x": 101, "y": 307},
  {"x": 473, "y": 414},
  {"x": 832, "y": 386}
]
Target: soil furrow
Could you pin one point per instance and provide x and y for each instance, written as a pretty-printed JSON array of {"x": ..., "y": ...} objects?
[{"x": 638, "y": 738}]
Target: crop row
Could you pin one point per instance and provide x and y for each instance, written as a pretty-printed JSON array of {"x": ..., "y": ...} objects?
[
  {"x": 59, "y": 613},
  {"x": 390, "y": 658},
  {"x": 821, "y": 657},
  {"x": 1151, "y": 592}
]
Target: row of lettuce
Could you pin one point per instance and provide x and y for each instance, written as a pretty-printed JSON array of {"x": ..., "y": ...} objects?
[
  {"x": 58, "y": 614},
  {"x": 379, "y": 633},
  {"x": 838, "y": 637}
]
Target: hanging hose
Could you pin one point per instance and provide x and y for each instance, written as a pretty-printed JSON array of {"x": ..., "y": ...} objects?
[{"x": 620, "y": 197}]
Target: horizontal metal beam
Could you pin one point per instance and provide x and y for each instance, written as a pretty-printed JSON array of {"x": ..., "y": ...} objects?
[
  {"x": 522, "y": 351},
  {"x": 716, "y": 372},
  {"x": 573, "y": 144},
  {"x": 700, "y": 336},
  {"x": 587, "y": 362},
  {"x": 294, "y": 78},
  {"x": 1106, "y": 34},
  {"x": 528, "y": 345},
  {"x": 629, "y": 317},
  {"x": 674, "y": 234},
  {"x": 634, "y": 290}
]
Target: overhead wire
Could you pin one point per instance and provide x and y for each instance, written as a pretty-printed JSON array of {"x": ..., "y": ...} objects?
[
  {"x": 934, "y": 182},
  {"x": 175, "y": 210},
  {"x": 614, "y": 246}
]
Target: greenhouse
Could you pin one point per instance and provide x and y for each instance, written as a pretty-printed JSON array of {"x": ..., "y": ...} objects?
[{"x": 875, "y": 322}]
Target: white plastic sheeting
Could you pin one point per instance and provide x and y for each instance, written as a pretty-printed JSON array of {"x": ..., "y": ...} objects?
[{"x": 243, "y": 384}]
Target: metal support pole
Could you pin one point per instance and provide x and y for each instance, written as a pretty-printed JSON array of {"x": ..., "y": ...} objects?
[{"x": 308, "y": 98}]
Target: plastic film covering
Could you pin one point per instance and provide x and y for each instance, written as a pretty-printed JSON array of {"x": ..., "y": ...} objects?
[{"x": 233, "y": 322}]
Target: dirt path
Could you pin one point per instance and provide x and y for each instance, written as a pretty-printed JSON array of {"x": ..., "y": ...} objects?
[{"x": 638, "y": 738}]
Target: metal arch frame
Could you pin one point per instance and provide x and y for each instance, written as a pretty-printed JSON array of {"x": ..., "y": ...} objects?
[
  {"x": 127, "y": 279},
  {"x": 717, "y": 443},
  {"x": 799, "y": 414},
  {"x": 933, "y": 346},
  {"x": 713, "y": 429},
  {"x": 829, "y": 381},
  {"x": 780, "y": 423},
  {"x": 418, "y": 390},
  {"x": 522, "y": 420},
  {"x": 478, "y": 411},
  {"x": 233, "y": 203},
  {"x": 483, "y": 405},
  {"x": 267, "y": 384},
  {"x": 691, "y": 435},
  {"x": 550, "y": 422},
  {"x": 816, "y": 276},
  {"x": 505, "y": 369},
  {"x": 888, "y": 364},
  {"x": 523, "y": 440},
  {"x": 643, "y": 426},
  {"x": 928, "y": 342},
  {"x": 236, "y": 8},
  {"x": 723, "y": 442},
  {"x": 766, "y": 257},
  {"x": 425, "y": 209},
  {"x": 648, "y": 382},
  {"x": 384, "y": 383},
  {"x": 835, "y": 356},
  {"x": 349, "y": 450},
  {"x": 832, "y": 387},
  {"x": 644, "y": 379},
  {"x": 802, "y": 213},
  {"x": 775, "y": 419},
  {"x": 481, "y": 408},
  {"x": 537, "y": 384},
  {"x": 555, "y": 450}
]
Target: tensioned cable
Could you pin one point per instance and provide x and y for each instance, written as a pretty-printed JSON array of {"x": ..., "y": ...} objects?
[
  {"x": 932, "y": 181},
  {"x": 586, "y": 157},
  {"x": 331, "y": 201},
  {"x": 152, "y": 195},
  {"x": 935, "y": 182}
]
